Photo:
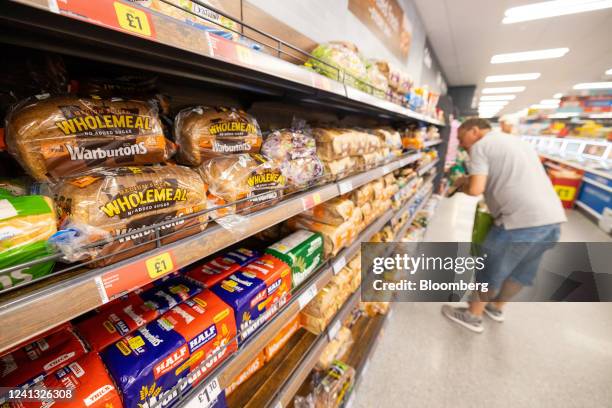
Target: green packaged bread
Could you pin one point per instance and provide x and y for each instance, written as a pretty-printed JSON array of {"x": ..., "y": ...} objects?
[
  {"x": 26, "y": 223},
  {"x": 302, "y": 251}
]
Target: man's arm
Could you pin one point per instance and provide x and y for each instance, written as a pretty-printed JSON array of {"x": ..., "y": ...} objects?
[{"x": 476, "y": 185}]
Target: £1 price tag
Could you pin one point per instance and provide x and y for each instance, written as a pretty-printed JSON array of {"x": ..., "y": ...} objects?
[
  {"x": 159, "y": 265},
  {"x": 207, "y": 396},
  {"x": 132, "y": 19}
]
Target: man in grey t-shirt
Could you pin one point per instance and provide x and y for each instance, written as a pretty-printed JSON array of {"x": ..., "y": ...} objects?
[{"x": 526, "y": 210}]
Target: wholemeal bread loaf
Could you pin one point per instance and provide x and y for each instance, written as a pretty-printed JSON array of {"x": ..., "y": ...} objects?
[
  {"x": 62, "y": 136},
  {"x": 203, "y": 132},
  {"x": 123, "y": 201}
]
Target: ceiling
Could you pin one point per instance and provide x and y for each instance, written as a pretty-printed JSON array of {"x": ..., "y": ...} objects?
[{"x": 465, "y": 34}]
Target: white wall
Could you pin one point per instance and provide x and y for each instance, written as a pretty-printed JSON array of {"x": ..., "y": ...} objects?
[{"x": 327, "y": 20}]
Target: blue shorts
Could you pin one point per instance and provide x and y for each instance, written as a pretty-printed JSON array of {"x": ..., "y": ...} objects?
[{"x": 515, "y": 254}]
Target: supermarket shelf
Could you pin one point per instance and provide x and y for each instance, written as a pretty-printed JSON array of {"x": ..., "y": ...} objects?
[
  {"x": 196, "y": 54},
  {"x": 226, "y": 372},
  {"x": 360, "y": 354},
  {"x": 431, "y": 143},
  {"x": 37, "y": 307},
  {"x": 424, "y": 169},
  {"x": 404, "y": 228},
  {"x": 576, "y": 166},
  {"x": 289, "y": 388},
  {"x": 588, "y": 209}
]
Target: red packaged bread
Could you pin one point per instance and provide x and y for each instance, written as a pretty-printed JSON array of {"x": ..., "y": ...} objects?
[
  {"x": 246, "y": 373},
  {"x": 211, "y": 272},
  {"x": 34, "y": 361},
  {"x": 89, "y": 382}
]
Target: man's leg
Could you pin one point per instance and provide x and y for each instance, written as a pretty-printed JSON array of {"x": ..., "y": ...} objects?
[{"x": 508, "y": 290}]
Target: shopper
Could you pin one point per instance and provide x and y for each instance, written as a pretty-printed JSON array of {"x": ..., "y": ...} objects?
[
  {"x": 506, "y": 124},
  {"x": 526, "y": 210}
]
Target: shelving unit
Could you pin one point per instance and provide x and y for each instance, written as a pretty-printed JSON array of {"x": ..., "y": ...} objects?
[
  {"x": 38, "y": 307},
  {"x": 92, "y": 32}
]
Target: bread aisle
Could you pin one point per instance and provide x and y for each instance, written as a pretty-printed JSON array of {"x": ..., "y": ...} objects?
[{"x": 206, "y": 203}]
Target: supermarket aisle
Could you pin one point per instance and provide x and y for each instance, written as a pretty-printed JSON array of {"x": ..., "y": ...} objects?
[
  {"x": 545, "y": 355},
  {"x": 579, "y": 228}
]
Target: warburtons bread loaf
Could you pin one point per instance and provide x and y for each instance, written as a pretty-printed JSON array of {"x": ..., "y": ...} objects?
[
  {"x": 125, "y": 200},
  {"x": 62, "y": 136},
  {"x": 204, "y": 132}
]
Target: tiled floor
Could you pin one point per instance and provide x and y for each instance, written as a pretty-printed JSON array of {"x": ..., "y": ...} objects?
[{"x": 544, "y": 355}]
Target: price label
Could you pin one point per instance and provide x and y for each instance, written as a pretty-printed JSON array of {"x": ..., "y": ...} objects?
[
  {"x": 159, "y": 265},
  {"x": 207, "y": 396},
  {"x": 345, "y": 187},
  {"x": 307, "y": 296},
  {"x": 244, "y": 55},
  {"x": 333, "y": 330},
  {"x": 386, "y": 169},
  {"x": 132, "y": 19},
  {"x": 310, "y": 201},
  {"x": 338, "y": 265},
  {"x": 565, "y": 193}
]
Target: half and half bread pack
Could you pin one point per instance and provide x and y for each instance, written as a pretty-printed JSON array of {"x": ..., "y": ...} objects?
[
  {"x": 61, "y": 136},
  {"x": 122, "y": 202}
]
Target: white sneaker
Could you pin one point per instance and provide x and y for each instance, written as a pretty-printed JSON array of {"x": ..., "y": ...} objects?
[
  {"x": 462, "y": 316},
  {"x": 494, "y": 313}
]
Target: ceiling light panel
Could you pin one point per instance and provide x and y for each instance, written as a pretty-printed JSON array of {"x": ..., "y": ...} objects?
[
  {"x": 558, "y": 95},
  {"x": 593, "y": 85},
  {"x": 497, "y": 97},
  {"x": 546, "y": 9},
  {"x": 529, "y": 55},
  {"x": 513, "y": 77},
  {"x": 609, "y": 72},
  {"x": 507, "y": 89}
]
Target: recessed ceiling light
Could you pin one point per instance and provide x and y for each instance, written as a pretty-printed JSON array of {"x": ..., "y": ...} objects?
[
  {"x": 529, "y": 55},
  {"x": 507, "y": 89},
  {"x": 609, "y": 72},
  {"x": 554, "y": 102},
  {"x": 558, "y": 95},
  {"x": 593, "y": 85},
  {"x": 497, "y": 97},
  {"x": 543, "y": 106},
  {"x": 545, "y": 9},
  {"x": 513, "y": 77}
]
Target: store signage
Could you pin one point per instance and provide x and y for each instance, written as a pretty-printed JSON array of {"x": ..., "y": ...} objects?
[{"x": 387, "y": 21}]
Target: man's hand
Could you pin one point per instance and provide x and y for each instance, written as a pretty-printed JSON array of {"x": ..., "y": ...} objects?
[{"x": 476, "y": 185}]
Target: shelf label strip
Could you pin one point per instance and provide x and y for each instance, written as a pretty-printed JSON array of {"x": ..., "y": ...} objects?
[
  {"x": 308, "y": 295},
  {"x": 207, "y": 396}
]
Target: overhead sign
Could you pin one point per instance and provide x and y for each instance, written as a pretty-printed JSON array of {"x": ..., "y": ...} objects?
[{"x": 386, "y": 19}]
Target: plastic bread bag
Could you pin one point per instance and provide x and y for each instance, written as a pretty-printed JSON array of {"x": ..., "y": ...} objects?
[
  {"x": 26, "y": 222},
  {"x": 337, "y": 57},
  {"x": 295, "y": 151},
  {"x": 334, "y": 212},
  {"x": 335, "y": 349},
  {"x": 246, "y": 182},
  {"x": 204, "y": 132},
  {"x": 131, "y": 204},
  {"x": 339, "y": 168},
  {"x": 58, "y": 136},
  {"x": 335, "y": 385},
  {"x": 334, "y": 237}
]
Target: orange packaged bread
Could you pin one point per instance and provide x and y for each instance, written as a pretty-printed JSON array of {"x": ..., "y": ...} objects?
[
  {"x": 61, "y": 136},
  {"x": 203, "y": 132},
  {"x": 336, "y": 211}
]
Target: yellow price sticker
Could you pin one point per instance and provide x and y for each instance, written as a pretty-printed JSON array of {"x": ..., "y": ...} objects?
[
  {"x": 136, "y": 342},
  {"x": 132, "y": 19},
  {"x": 244, "y": 55},
  {"x": 565, "y": 193},
  {"x": 159, "y": 265}
]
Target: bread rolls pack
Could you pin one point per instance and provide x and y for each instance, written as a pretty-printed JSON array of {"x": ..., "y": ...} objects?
[
  {"x": 126, "y": 200},
  {"x": 250, "y": 179},
  {"x": 203, "y": 132},
  {"x": 60, "y": 136}
]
